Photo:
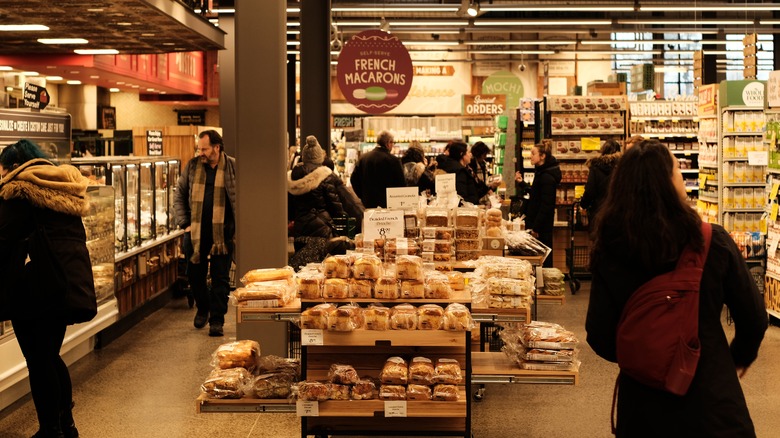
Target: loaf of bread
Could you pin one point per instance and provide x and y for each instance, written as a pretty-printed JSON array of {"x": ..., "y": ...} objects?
[
  {"x": 377, "y": 317},
  {"x": 392, "y": 392},
  {"x": 418, "y": 392},
  {"x": 447, "y": 371},
  {"x": 313, "y": 391},
  {"x": 412, "y": 289},
  {"x": 361, "y": 288},
  {"x": 429, "y": 317},
  {"x": 445, "y": 393},
  {"x": 403, "y": 317},
  {"x": 336, "y": 288},
  {"x": 409, "y": 267},
  {"x": 274, "y": 386},
  {"x": 387, "y": 289},
  {"x": 337, "y": 266},
  {"x": 270, "y": 274},
  {"x": 271, "y": 364},
  {"x": 437, "y": 287},
  {"x": 421, "y": 371},
  {"x": 510, "y": 286},
  {"x": 368, "y": 267},
  {"x": 338, "y": 392},
  {"x": 364, "y": 389},
  {"x": 244, "y": 354},
  {"x": 226, "y": 383},
  {"x": 394, "y": 372},
  {"x": 467, "y": 217},
  {"x": 316, "y": 317},
  {"x": 310, "y": 285},
  {"x": 345, "y": 318},
  {"x": 457, "y": 317},
  {"x": 398, "y": 247},
  {"x": 456, "y": 279},
  {"x": 436, "y": 217},
  {"x": 343, "y": 374}
]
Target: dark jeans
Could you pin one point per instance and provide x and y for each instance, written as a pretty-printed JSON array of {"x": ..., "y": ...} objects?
[
  {"x": 212, "y": 301},
  {"x": 547, "y": 239},
  {"x": 40, "y": 340}
]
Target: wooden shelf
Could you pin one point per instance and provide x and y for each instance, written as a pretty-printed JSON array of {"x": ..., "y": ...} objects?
[
  {"x": 392, "y": 338},
  {"x": 488, "y": 314},
  {"x": 376, "y": 408},
  {"x": 494, "y": 367},
  {"x": 551, "y": 299},
  {"x": 205, "y": 404},
  {"x": 457, "y": 296}
]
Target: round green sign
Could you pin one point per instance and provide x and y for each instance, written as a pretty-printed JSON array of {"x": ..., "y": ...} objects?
[{"x": 505, "y": 82}]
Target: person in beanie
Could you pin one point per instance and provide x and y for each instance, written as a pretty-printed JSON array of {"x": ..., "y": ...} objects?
[
  {"x": 376, "y": 171},
  {"x": 205, "y": 204}
]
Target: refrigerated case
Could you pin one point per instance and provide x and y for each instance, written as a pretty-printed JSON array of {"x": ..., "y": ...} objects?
[{"x": 99, "y": 226}]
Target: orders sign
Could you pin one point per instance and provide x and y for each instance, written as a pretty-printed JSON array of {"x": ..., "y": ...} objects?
[{"x": 374, "y": 71}]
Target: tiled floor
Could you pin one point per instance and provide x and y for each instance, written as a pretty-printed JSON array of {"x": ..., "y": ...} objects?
[{"x": 144, "y": 385}]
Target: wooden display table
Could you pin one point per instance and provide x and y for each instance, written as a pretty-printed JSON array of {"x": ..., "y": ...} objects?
[
  {"x": 551, "y": 299},
  {"x": 205, "y": 404},
  {"x": 498, "y": 368}
]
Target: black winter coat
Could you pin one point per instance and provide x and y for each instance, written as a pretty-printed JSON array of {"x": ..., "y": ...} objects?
[
  {"x": 600, "y": 171},
  {"x": 481, "y": 174},
  {"x": 315, "y": 199},
  {"x": 714, "y": 405},
  {"x": 465, "y": 182},
  {"x": 540, "y": 210},
  {"x": 374, "y": 173}
]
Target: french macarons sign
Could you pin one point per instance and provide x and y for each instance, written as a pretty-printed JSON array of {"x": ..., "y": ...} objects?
[{"x": 374, "y": 71}]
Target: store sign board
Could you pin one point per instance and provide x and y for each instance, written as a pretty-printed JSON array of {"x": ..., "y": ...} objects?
[
  {"x": 154, "y": 143},
  {"x": 742, "y": 93},
  {"x": 561, "y": 68},
  {"x": 708, "y": 100},
  {"x": 307, "y": 408},
  {"x": 399, "y": 198},
  {"x": 483, "y": 104},
  {"x": 505, "y": 82},
  {"x": 191, "y": 117},
  {"x": 35, "y": 96},
  {"x": 34, "y": 126},
  {"x": 383, "y": 224},
  {"x": 344, "y": 121},
  {"x": 434, "y": 70},
  {"x": 374, "y": 71},
  {"x": 773, "y": 89}
]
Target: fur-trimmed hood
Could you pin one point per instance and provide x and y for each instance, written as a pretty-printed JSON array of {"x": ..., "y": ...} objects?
[
  {"x": 42, "y": 184},
  {"x": 605, "y": 162},
  {"x": 309, "y": 182}
]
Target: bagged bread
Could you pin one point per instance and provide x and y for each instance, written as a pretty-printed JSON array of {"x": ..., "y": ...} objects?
[
  {"x": 337, "y": 266},
  {"x": 345, "y": 318},
  {"x": 409, "y": 267},
  {"x": 392, "y": 392},
  {"x": 273, "y": 386},
  {"x": 316, "y": 317},
  {"x": 376, "y": 317},
  {"x": 448, "y": 371},
  {"x": 421, "y": 371},
  {"x": 387, "y": 289},
  {"x": 272, "y": 364},
  {"x": 361, "y": 288},
  {"x": 412, "y": 289},
  {"x": 270, "y": 274},
  {"x": 263, "y": 295},
  {"x": 403, "y": 317},
  {"x": 343, "y": 374},
  {"x": 312, "y": 391},
  {"x": 457, "y": 317},
  {"x": 429, "y": 317},
  {"x": 338, "y": 392},
  {"x": 226, "y": 383},
  {"x": 367, "y": 267},
  {"x": 445, "y": 393},
  {"x": 437, "y": 286},
  {"x": 456, "y": 280},
  {"x": 335, "y": 288},
  {"x": 395, "y": 372},
  {"x": 364, "y": 389},
  {"x": 244, "y": 354},
  {"x": 310, "y": 285},
  {"x": 418, "y": 392}
]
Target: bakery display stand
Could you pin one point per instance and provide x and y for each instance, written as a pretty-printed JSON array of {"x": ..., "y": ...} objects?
[{"x": 772, "y": 143}]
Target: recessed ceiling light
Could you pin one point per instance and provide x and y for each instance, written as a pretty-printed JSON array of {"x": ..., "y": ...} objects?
[
  {"x": 163, "y": 92},
  {"x": 5, "y": 68},
  {"x": 95, "y": 10},
  {"x": 74, "y": 72},
  {"x": 135, "y": 86},
  {"x": 124, "y": 23},
  {"x": 53, "y": 78},
  {"x": 94, "y": 77},
  {"x": 169, "y": 44},
  {"x": 147, "y": 34},
  {"x": 150, "y": 89},
  {"x": 114, "y": 90},
  {"x": 74, "y": 82},
  {"x": 30, "y": 73},
  {"x": 97, "y": 51},
  {"x": 181, "y": 49},
  {"x": 9, "y": 88},
  {"x": 22, "y": 27},
  {"x": 62, "y": 41},
  {"x": 120, "y": 82}
]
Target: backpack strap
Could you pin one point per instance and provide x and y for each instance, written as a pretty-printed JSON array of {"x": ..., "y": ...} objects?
[{"x": 697, "y": 259}]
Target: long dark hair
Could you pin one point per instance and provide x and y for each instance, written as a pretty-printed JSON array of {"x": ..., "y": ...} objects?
[
  {"x": 457, "y": 150},
  {"x": 643, "y": 214}
]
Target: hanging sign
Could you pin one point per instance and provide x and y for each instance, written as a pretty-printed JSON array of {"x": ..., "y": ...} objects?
[
  {"x": 483, "y": 104},
  {"x": 35, "y": 96},
  {"x": 507, "y": 83},
  {"x": 773, "y": 89},
  {"x": 374, "y": 71}
]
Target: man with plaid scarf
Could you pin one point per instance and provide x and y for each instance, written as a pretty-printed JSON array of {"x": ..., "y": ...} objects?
[{"x": 205, "y": 204}]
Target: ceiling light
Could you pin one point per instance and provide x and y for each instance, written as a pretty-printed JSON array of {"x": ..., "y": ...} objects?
[
  {"x": 114, "y": 90},
  {"x": 74, "y": 82},
  {"x": 147, "y": 34},
  {"x": 396, "y": 23},
  {"x": 687, "y": 22},
  {"x": 770, "y": 21},
  {"x": 293, "y": 43},
  {"x": 293, "y": 23},
  {"x": 53, "y": 78},
  {"x": 520, "y": 43},
  {"x": 582, "y": 8},
  {"x": 30, "y": 73},
  {"x": 513, "y": 52},
  {"x": 163, "y": 92},
  {"x": 62, "y": 41},
  {"x": 74, "y": 72},
  {"x": 94, "y": 77},
  {"x": 97, "y": 51},
  {"x": 430, "y": 43},
  {"x": 228, "y": 10},
  {"x": 744, "y": 7},
  {"x": 124, "y": 23},
  {"x": 9, "y": 88},
  {"x": 169, "y": 44},
  {"x": 293, "y": 32},
  {"x": 473, "y": 9},
  {"x": 5, "y": 68},
  {"x": 22, "y": 27},
  {"x": 543, "y": 22},
  {"x": 120, "y": 82},
  {"x": 135, "y": 86},
  {"x": 297, "y": 10},
  {"x": 293, "y": 52},
  {"x": 150, "y": 89}
]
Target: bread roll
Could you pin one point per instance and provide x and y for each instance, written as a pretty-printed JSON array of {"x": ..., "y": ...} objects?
[
  {"x": 494, "y": 231},
  {"x": 403, "y": 317},
  {"x": 273, "y": 386},
  {"x": 310, "y": 286},
  {"x": 409, "y": 267},
  {"x": 338, "y": 392},
  {"x": 457, "y": 281},
  {"x": 343, "y": 374},
  {"x": 394, "y": 372},
  {"x": 437, "y": 287},
  {"x": 345, "y": 318}
]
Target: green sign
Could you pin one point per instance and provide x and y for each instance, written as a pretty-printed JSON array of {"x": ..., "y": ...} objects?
[
  {"x": 742, "y": 93},
  {"x": 505, "y": 82}
]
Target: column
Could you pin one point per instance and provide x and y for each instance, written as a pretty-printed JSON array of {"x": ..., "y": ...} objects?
[{"x": 315, "y": 70}]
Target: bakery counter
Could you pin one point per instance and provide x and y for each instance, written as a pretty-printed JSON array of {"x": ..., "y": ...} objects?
[
  {"x": 205, "y": 404},
  {"x": 490, "y": 367},
  {"x": 379, "y": 408}
]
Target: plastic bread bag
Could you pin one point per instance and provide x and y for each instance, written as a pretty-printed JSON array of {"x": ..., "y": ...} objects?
[
  {"x": 510, "y": 286},
  {"x": 437, "y": 233},
  {"x": 395, "y": 372},
  {"x": 467, "y": 217},
  {"x": 244, "y": 354},
  {"x": 359, "y": 288},
  {"x": 273, "y": 385},
  {"x": 523, "y": 244},
  {"x": 336, "y": 288},
  {"x": 345, "y": 318},
  {"x": 458, "y": 318},
  {"x": 457, "y": 280},
  {"x": 367, "y": 267},
  {"x": 418, "y": 392},
  {"x": 337, "y": 266},
  {"x": 364, "y": 389},
  {"x": 549, "y": 366},
  {"x": 403, "y": 317},
  {"x": 409, "y": 267},
  {"x": 437, "y": 216},
  {"x": 310, "y": 285},
  {"x": 269, "y": 274},
  {"x": 399, "y": 247},
  {"x": 447, "y": 371},
  {"x": 272, "y": 364},
  {"x": 376, "y": 317},
  {"x": 479, "y": 293},
  {"x": 343, "y": 374},
  {"x": 430, "y": 317},
  {"x": 226, "y": 383},
  {"x": 387, "y": 288},
  {"x": 553, "y": 337},
  {"x": 444, "y": 392},
  {"x": 392, "y": 392},
  {"x": 437, "y": 286},
  {"x": 310, "y": 390},
  {"x": 263, "y": 295},
  {"x": 338, "y": 392},
  {"x": 542, "y": 355},
  {"x": 412, "y": 289},
  {"x": 316, "y": 317},
  {"x": 421, "y": 371}
]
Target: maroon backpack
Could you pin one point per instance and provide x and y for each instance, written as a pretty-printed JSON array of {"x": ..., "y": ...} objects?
[{"x": 658, "y": 332}]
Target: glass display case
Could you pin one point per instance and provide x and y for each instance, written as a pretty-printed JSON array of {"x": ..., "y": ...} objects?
[
  {"x": 146, "y": 212},
  {"x": 174, "y": 167},
  {"x": 161, "y": 204},
  {"x": 133, "y": 206},
  {"x": 99, "y": 226},
  {"x": 120, "y": 217}
]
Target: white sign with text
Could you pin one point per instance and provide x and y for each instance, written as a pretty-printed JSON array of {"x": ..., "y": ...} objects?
[
  {"x": 383, "y": 224},
  {"x": 401, "y": 198}
]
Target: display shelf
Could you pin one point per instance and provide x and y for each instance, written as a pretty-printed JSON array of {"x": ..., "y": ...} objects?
[
  {"x": 414, "y": 408},
  {"x": 551, "y": 299},
  {"x": 774, "y": 313},
  {"x": 204, "y": 404},
  {"x": 685, "y": 151},
  {"x": 496, "y": 367},
  {"x": 708, "y": 199},
  {"x": 689, "y": 171},
  {"x": 663, "y": 135},
  {"x": 456, "y": 296},
  {"x": 291, "y": 312},
  {"x": 755, "y": 184},
  {"x": 388, "y": 338},
  {"x": 743, "y": 210},
  {"x": 491, "y": 315}
]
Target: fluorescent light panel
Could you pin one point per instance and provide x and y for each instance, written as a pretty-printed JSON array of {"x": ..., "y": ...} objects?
[
  {"x": 430, "y": 43},
  {"x": 520, "y": 43},
  {"x": 62, "y": 41},
  {"x": 97, "y": 51},
  {"x": 581, "y": 8},
  {"x": 22, "y": 27},
  {"x": 543, "y": 22},
  {"x": 724, "y": 8},
  {"x": 385, "y": 9},
  {"x": 53, "y": 78},
  {"x": 74, "y": 82},
  {"x": 686, "y": 22},
  {"x": 513, "y": 52}
]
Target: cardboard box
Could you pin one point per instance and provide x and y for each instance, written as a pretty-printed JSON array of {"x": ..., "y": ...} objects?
[{"x": 493, "y": 244}]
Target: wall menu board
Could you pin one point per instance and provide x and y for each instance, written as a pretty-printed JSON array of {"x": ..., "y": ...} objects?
[{"x": 51, "y": 131}]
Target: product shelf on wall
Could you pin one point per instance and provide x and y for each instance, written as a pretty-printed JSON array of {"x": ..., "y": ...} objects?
[{"x": 770, "y": 139}]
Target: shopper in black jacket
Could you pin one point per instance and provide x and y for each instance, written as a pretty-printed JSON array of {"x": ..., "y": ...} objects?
[
  {"x": 415, "y": 168},
  {"x": 376, "y": 171},
  {"x": 540, "y": 209},
  {"x": 643, "y": 226},
  {"x": 40, "y": 215},
  {"x": 600, "y": 169},
  {"x": 465, "y": 182}
]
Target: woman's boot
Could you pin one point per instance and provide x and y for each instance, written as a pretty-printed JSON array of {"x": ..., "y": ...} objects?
[{"x": 67, "y": 423}]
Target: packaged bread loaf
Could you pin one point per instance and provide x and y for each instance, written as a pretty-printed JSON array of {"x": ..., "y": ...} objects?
[
  {"x": 226, "y": 383},
  {"x": 265, "y": 294},
  {"x": 274, "y": 386},
  {"x": 444, "y": 392},
  {"x": 418, "y": 392},
  {"x": 421, "y": 371},
  {"x": 436, "y": 217},
  {"x": 467, "y": 217},
  {"x": 312, "y": 391},
  {"x": 447, "y": 371},
  {"x": 457, "y": 317},
  {"x": 412, "y": 289},
  {"x": 364, "y": 389},
  {"x": 338, "y": 392},
  {"x": 409, "y": 267},
  {"x": 399, "y": 247},
  {"x": 316, "y": 317},
  {"x": 343, "y": 374},
  {"x": 437, "y": 233},
  {"x": 429, "y": 317},
  {"x": 335, "y": 288},
  {"x": 387, "y": 289},
  {"x": 376, "y": 317},
  {"x": 367, "y": 267},
  {"x": 310, "y": 285},
  {"x": 345, "y": 318},
  {"x": 361, "y": 288},
  {"x": 392, "y": 392},
  {"x": 437, "y": 286},
  {"x": 244, "y": 354},
  {"x": 270, "y": 274},
  {"x": 394, "y": 372},
  {"x": 548, "y": 336},
  {"x": 456, "y": 280},
  {"x": 271, "y": 364},
  {"x": 466, "y": 233},
  {"x": 511, "y": 286},
  {"x": 337, "y": 266},
  {"x": 403, "y": 317}
]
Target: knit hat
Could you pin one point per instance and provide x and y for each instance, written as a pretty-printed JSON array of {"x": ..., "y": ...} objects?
[{"x": 312, "y": 152}]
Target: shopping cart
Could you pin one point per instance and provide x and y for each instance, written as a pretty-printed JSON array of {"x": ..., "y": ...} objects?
[{"x": 577, "y": 256}]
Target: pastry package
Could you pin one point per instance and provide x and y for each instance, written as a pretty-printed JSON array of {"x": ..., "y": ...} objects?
[
  {"x": 345, "y": 318},
  {"x": 399, "y": 247},
  {"x": 367, "y": 267},
  {"x": 265, "y": 294},
  {"x": 270, "y": 274},
  {"x": 429, "y": 317},
  {"x": 467, "y": 217},
  {"x": 437, "y": 286},
  {"x": 467, "y": 244},
  {"x": 447, "y": 371},
  {"x": 437, "y": 217},
  {"x": 408, "y": 267},
  {"x": 542, "y": 355},
  {"x": 274, "y": 385},
  {"x": 272, "y": 364},
  {"x": 443, "y": 267},
  {"x": 457, "y": 317},
  {"x": 392, "y": 392},
  {"x": 418, "y": 392},
  {"x": 490, "y": 267},
  {"x": 463, "y": 256},
  {"x": 456, "y": 279},
  {"x": 421, "y": 371},
  {"x": 403, "y": 317},
  {"x": 412, "y": 289},
  {"x": 335, "y": 288},
  {"x": 437, "y": 246},
  {"x": 364, "y": 389},
  {"x": 437, "y": 233},
  {"x": 338, "y": 392},
  {"x": 361, "y": 288},
  {"x": 343, "y": 374},
  {"x": 316, "y": 317},
  {"x": 376, "y": 317},
  {"x": 226, "y": 383},
  {"x": 438, "y": 257},
  {"x": 508, "y": 302},
  {"x": 387, "y": 289},
  {"x": 310, "y": 285},
  {"x": 466, "y": 233},
  {"x": 509, "y": 286},
  {"x": 394, "y": 372},
  {"x": 444, "y": 392},
  {"x": 537, "y": 334},
  {"x": 244, "y": 354},
  {"x": 337, "y": 266},
  {"x": 410, "y": 219},
  {"x": 312, "y": 391}
]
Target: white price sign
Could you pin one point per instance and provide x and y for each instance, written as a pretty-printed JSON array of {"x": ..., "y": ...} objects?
[
  {"x": 396, "y": 408},
  {"x": 307, "y": 408},
  {"x": 758, "y": 158},
  {"x": 311, "y": 337},
  {"x": 401, "y": 198},
  {"x": 445, "y": 183},
  {"x": 383, "y": 224}
]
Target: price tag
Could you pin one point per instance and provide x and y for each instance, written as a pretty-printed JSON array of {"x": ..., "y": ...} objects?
[
  {"x": 401, "y": 198},
  {"x": 758, "y": 158},
  {"x": 445, "y": 183},
  {"x": 579, "y": 191},
  {"x": 307, "y": 408},
  {"x": 590, "y": 143},
  {"x": 396, "y": 408},
  {"x": 311, "y": 337},
  {"x": 383, "y": 224},
  {"x": 773, "y": 214},
  {"x": 702, "y": 181},
  {"x": 539, "y": 277}
]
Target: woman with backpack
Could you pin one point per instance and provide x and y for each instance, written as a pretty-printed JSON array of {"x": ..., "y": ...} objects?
[{"x": 643, "y": 227}]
